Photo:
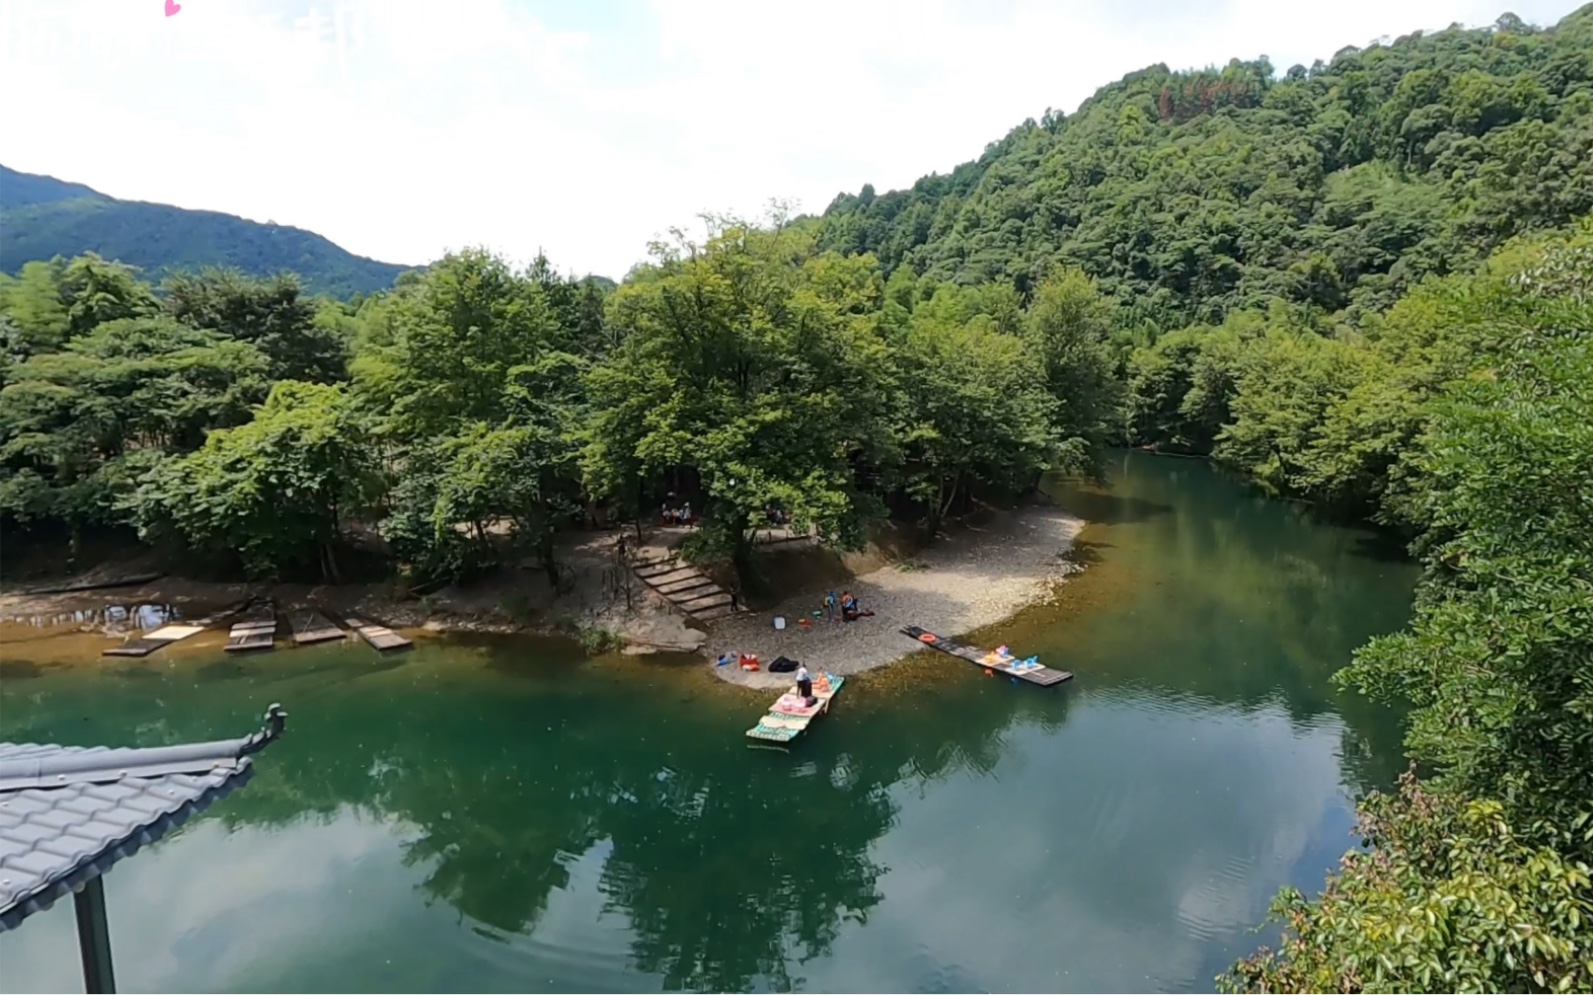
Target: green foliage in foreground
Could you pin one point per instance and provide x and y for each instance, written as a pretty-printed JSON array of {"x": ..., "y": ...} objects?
[
  {"x": 1480, "y": 881},
  {"x": 1449, "y": 899}
]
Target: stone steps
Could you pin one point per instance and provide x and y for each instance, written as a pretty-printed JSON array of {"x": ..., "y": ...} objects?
[{"x": 685, "y": 587}]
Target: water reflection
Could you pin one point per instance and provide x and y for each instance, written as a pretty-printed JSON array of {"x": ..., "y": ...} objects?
[
  {"x": 111, "y": 618},
  {"x": 497, "y": 815}
]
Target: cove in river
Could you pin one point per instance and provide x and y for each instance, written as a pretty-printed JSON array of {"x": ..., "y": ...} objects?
[{"x": 500, "y": 814}]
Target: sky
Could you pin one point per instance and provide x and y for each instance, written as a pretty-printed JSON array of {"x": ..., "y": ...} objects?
[{"x": 402, "y": 129}]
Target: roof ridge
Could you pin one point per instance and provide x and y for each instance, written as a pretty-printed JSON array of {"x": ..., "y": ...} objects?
[{"x": 50, "y": 766}]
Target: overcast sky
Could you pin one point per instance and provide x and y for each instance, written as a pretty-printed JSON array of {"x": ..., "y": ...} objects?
[{"x": 401, "y": 129}]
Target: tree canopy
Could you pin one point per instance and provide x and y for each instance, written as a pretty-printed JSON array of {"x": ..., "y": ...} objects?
[{"x": 1193, "y": 194}]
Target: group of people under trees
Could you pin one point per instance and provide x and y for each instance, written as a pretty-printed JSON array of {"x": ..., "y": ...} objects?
[{"x": 677, "y": 514}]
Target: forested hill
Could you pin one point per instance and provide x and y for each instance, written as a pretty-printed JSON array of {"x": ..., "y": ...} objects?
[
  {"x": 1190, "y": 194},
  {"x": 42, "y": 217}
]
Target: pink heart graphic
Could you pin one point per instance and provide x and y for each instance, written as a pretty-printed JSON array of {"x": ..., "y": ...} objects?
[{"x": 172, "y": 7}]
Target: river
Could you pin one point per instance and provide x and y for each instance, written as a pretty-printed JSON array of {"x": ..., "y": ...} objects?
[{"x": 500, "y": 814}]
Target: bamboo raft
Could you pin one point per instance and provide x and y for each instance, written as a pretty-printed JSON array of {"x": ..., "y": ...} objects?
[
  {"x": 1032, "y": 673},
  {"x": 158, "y": 639},
  {"x": 788, "y": 718},
  {"x": 256, "y": 632},
  {"x": 165, "y": 635},
  {"x": 313, "y": 627},
  {"x": 379, "y": 636}
]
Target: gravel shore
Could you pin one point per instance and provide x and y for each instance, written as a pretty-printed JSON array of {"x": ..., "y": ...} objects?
[{"x": 974, "y": 579}]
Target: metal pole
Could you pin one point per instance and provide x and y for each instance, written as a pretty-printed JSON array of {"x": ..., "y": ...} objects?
[{"x": 94, "y": 938}]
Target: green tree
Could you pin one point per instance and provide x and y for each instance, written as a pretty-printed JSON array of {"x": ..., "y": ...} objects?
[
  {"x": 95, "y": 291},
  {"x": 456, "y": 333},
  {"x": 275, "y": 490},
  {"x": 1480, "y": 881},
  {"x": 272, "y": 315},
  {"x": 77, "y": 426},
  {"x": 1448, "y": 899},
  {"x": 522, "y": 471},
  {"x": 33, "y": 305},
  {"x": 744, "y": 366},
  {"x": 974, "y": 410},
  {"x": 1068, "y": 327}
]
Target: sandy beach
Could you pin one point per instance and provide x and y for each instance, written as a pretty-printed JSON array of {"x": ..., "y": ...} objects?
[{"x": 976, "y": 578}]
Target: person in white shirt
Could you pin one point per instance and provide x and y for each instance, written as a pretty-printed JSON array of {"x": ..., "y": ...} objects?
[{"x": 804, "y": 682}]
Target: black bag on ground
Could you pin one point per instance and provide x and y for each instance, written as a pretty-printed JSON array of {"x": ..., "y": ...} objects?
[{"x": 783, "y": 665}]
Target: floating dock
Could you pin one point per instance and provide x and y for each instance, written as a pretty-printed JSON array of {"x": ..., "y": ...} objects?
[
  {"x": 379, "y": 636},
  {"x": 1033, "y": 674},
  {"x": 165, "y": 635},
  {"x": 790, "y": 716},
  {"x": 256, "y": 632},
  {"x": 313, "y": 627}
]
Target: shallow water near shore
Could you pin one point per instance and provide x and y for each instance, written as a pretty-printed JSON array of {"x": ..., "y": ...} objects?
[{"x": 500, "y": 814}]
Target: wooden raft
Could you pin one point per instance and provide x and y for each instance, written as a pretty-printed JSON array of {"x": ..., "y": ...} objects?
[
  {"x": 1040, "y": 675},
  {"x": 165, "y": 635},
  {"x": 256, "y": 632},
  {"x": 313, "y": 627},
  {"x": 152, "y": 641},
  {"x": 379, "y": 636},
  {"x": 782, "y": 727}
]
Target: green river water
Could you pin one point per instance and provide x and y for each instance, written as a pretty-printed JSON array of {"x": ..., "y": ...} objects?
[{"x": 496, "y": 814}]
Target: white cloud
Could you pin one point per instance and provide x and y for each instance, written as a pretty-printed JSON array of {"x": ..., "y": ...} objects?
[
  {"x": 263, "y": 895},
  {"x": 400, "y": 128},
  {"x": 1121, "y": 869}
]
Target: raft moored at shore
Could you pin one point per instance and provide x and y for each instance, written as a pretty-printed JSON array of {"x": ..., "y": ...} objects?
[
  {"x": 790, "y": 716},
  {"x": 994, "y": 662},
  {"x": 258, "y": 631},
  {"x": 378, "y": 636},
  {"x": 168, "y": 633}
]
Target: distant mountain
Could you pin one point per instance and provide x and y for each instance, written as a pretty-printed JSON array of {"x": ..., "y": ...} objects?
[{"x": 42, "y": 217}]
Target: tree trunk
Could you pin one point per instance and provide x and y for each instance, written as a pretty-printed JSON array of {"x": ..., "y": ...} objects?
[
  {"x": 329, "y": 568},
  {"x": 741, "y": 550},
  {"x": 545, "y": 552},
  {"x": 951, "y": 499}
]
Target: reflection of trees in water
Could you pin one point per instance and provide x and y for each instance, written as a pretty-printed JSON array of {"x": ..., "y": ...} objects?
[
  {"x": 732, "y": 866},
  {"x": 491, "y": 858},
  {"x": 1259, "y": 602},
  {"x": 717, "y": 889}
]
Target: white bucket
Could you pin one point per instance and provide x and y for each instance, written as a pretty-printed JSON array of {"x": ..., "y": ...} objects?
[{"x": 779, "y": 621}]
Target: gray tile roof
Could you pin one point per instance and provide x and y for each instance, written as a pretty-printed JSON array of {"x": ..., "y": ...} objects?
[{"x": 67, "y": 813}]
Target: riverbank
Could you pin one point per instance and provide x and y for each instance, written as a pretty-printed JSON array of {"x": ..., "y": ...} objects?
[
  {"x": 519, "y": 599},
  {"x": 988, "y": 569},
  {"x": 977, "y": 577}
]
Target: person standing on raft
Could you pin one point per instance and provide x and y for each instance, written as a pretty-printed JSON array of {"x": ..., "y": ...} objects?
[{"x": 804, "y": 682}]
